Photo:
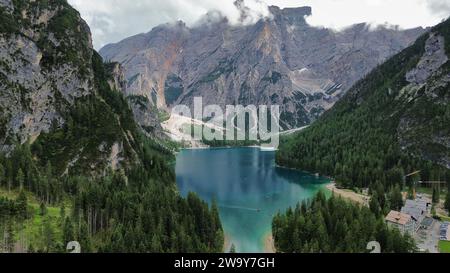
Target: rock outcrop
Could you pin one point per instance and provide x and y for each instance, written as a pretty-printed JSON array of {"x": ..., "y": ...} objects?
[
  {"x": 33, "y": 77},
  {"x": 433, "y": 58},
  {"x": 145, "y": 114},
  {"x": 426, "y": 132}
]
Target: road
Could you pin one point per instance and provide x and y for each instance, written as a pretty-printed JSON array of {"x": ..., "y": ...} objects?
[{"x": 428, "y": 240}]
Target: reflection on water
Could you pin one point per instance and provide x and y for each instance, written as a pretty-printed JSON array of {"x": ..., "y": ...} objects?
[{"x": 248, "y": 187}]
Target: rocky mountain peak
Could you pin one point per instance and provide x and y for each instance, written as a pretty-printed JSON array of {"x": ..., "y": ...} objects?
[
  {"x": 293, "y": 13},
  {"x": 280, "y": 60},
  {"x": 291, "y": 16}
]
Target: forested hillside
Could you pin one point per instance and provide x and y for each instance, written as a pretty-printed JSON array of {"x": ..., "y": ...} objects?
[
  {"x": 392, "y": 123},
  {"x": 75, "y": 165},
  {"x": 335, "y": 226}
]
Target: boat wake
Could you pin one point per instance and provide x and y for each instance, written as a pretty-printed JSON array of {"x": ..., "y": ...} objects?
[{"x": 240, "y": 208}]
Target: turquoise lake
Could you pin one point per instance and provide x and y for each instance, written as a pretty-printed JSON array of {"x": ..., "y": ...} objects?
[{"x": 248, "y": 187}]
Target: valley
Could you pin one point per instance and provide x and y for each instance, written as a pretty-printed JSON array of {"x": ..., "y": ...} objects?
[{"x": 91, "y": 152}]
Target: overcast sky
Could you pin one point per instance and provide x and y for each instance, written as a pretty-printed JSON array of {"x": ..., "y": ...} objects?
[{"x": 114, "y": 20}]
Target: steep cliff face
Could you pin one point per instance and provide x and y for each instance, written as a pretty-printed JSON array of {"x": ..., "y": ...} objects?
[
  {"x": 55, "y": 91},
  {"x": 117, "y": 80},
  {"x": 38, "y": 68},
  {"x": 145, "y": 114},
  {"x": 424, "y": 128},
  {"x": 279, "y": 60}
]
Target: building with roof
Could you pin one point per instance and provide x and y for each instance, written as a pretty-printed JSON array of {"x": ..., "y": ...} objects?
[
  {"x": 404, "y": 222},
  {"x": 418, "y": 209}
]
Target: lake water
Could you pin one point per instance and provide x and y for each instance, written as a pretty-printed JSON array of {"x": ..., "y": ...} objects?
[{"x": 248, "y": 188}]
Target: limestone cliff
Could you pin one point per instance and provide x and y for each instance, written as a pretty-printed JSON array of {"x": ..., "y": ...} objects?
[{"x": 55, "y": 92}]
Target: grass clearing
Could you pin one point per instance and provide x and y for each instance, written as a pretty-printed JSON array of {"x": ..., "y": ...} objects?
[
  {"x": 444, "y": 246},
  {"x": 32, "y": 228},
  {"x": 429, "y": 190}
]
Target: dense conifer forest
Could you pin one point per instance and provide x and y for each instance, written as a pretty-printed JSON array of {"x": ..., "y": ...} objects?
[{"x": 335, "y": 226}]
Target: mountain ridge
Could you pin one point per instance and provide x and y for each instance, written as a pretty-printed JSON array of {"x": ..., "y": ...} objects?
[{"x": 280, "y": 60}]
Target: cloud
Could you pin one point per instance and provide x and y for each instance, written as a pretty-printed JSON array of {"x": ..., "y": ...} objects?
[
  {"x": 338, "y": 14},
  {"x": 114, "y": 20},
  {"x": 440, "y": 7}
]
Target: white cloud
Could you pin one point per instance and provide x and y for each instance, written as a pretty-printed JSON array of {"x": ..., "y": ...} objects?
[
  {"x": 114, "y": 20},
  {"x": 341, "y": 13},
  {"x": 441, "y": 7}
]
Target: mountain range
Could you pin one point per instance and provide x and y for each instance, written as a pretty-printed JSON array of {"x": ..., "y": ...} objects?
[{"x": 280, "y": 60}]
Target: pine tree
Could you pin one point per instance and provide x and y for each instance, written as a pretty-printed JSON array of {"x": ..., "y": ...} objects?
[
  {"x": 84, "y": 238},
  {"x": 68, "y": 234},
  {"x": 396, "y": 198},
  {"x": 42, "y": 209},
  {"x": 9, "y": 177},
  {"x": 2, "y": 174},
  {"x": 20, "y": 179},
  {"x": 10, "y": 237},
  {"x": 22, "y": 204},
  {"x": 375, "y": 205},
  {"x": 233, "y": 248},
  {"x": 447, "y": 202},
  {"x": 48, "y": 236},
  {"x": 156, "y": 244},
  {"x": 31, "y": 248},
  {"x": 62, "y": 213},
  {"x": 436, "y": 196}
]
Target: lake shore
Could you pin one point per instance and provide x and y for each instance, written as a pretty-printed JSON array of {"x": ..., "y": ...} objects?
[
  {"x": 219, "y": 147},
  {"x": 269, "y": 244},
  {"x": 246, "y": 212},
  {"x": 226, "y": 243},
  {"x": 348, "y": 195}
]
